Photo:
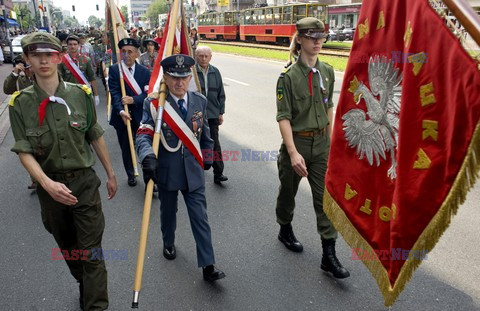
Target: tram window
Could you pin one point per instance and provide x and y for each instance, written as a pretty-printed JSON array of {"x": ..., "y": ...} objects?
[
  {"x": 228, "y": 18},
  {"x": 277, "y": 15},
  {"x": 260, "y": 17},
  {"x": 317, "y": 12},
  {"x": 255, "y": 17},
  {"x": 221, "y": 19},
  {"x": 299, "y": 12},
  {"x": 268, "y": 16},
  {"x": 287, "y": 15}
]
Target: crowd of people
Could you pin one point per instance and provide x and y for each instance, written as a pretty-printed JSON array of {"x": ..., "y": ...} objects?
[{"x": 54, "y": 123}]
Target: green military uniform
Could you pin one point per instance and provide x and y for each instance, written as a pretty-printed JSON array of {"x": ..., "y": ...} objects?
[
  {"x": 307, "y": 113},
  {"x": 85, "y": 65},
  {"x": 15, "y": 82},
  {"x": 61, "y": 145}
]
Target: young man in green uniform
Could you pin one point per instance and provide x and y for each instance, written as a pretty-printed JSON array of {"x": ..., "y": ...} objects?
[
  {"x": 80, "y": 62},
  {"x": 54, "y": 124},
  {"x": 20, "y": 78},
  {"x": 304, "y": 114}
]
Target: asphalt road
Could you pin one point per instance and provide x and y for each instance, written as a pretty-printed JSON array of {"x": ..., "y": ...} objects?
[{"x": 261, "y": 273}]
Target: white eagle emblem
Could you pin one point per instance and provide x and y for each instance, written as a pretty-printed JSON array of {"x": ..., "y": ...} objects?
[{"x": 376, "y": 133}]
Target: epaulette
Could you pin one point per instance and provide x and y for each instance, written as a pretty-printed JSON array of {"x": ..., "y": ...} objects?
[
  {"x": 84, "y": 87},
  {"x": 12, "y": 99},
  {"x": 285, "y": 71}
]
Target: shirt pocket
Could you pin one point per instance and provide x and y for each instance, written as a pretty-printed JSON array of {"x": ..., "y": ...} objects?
[
  {"x": 41, "y": 139},
  {"x": 79, "y": 126}
]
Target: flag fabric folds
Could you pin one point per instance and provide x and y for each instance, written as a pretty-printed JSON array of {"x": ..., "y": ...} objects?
[{"x": 406, "y": 139}]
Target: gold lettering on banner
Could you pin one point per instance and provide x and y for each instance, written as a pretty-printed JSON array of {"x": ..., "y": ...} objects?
[
  {"x": 427, "y": 96},
  {"x": 349, "y": 193},
  {"x": 363, "y": 29},
  {"x": 354, "y": 84},
  {"x": 385, "y": 213},
  {"x": 381, "y": 20},
  {"x": 417, "y": 60},
  {"x": 407, "y": 37},
  {"x": 423, "y": 161},
  {"x": 430, "y": 129},
  {"x": 366, "y": 207}
]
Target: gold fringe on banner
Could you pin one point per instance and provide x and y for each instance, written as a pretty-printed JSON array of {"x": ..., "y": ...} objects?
[{"x": 464, "y": 181}]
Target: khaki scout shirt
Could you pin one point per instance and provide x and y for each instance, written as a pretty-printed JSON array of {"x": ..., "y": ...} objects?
[
  {"x": 294, "y": 103},
  {"x": 15, "y": 83},
  {"x": 84, "y": 64},
  {"x": 61, "y": 143}
]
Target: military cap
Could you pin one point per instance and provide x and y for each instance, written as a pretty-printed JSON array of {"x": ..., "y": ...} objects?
[
  {"x": 311, "y": 27},
  {"x": 72, "y": 37},
  {"x": 178, "y": 65},
  {"x": 41, "y": 42},
  {"x": 128, "y": 41},
  {"x": 147, "y": 41}
]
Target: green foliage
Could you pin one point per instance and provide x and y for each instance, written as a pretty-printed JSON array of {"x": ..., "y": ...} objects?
[
  {"x": 157, "y": 7},
  {"x": 124, "y": 11},
  {"x": 71, "y": 22},
  {"x": 24, "y": 16},
  {"x": 95, "y": 21},
  {"x": 338, "y": 63}
]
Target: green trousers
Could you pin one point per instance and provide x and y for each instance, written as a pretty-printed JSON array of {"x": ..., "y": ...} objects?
[
  {"x": 79, "y": 227},
  {"x": 314, "y": 151}
]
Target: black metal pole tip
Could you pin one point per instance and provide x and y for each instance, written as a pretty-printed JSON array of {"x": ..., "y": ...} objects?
[{"x": 134, "y": 305}]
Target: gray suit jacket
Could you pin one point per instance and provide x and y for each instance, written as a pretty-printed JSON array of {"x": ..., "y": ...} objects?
[{"x": 177, "y": 170}]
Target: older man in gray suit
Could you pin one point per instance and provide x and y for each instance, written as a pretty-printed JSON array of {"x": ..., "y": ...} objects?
[{"x": 179, "y": 163}]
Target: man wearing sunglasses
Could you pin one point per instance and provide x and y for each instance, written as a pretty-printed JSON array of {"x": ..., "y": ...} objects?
[{"x": 304, "y": 114}]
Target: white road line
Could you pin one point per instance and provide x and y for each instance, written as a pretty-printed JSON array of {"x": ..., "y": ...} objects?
[{"x": 236, "y": 81}]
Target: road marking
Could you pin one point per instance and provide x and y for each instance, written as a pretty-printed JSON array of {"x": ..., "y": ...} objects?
[{"x": 236, "y": 81}]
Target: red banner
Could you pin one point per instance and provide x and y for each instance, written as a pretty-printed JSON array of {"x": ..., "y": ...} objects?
[{"x": 405, "y": 140}]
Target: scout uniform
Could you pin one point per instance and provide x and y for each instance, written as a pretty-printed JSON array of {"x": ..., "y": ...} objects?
[
  {"x": 83, "y": 62},
  {"x": 57, "y": 131},
  {"x": 304, "y": 96},
  {"x": 16, "y": 82}
]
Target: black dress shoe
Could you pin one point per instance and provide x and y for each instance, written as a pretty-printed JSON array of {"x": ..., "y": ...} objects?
[
  {"x": 211, "y": 274},
  {"x": 169, "y": 252},
  {"x": 219, "y": 178},
  {"x": 132, "y": 181},
  {"x": 288, "y": 239}
]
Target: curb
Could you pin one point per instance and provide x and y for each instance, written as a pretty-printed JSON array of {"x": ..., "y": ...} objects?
[{"x": 4, "y": 119}]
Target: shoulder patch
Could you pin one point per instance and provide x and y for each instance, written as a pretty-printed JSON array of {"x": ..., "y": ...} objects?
[
  {"x": 12, "y": 99},
  {"x": 86, "y": 89}
]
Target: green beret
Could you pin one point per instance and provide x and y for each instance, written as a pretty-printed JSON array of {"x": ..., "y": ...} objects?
[
  {"x": 311, "y": 27},
  {"x": 40, "y": 42}
]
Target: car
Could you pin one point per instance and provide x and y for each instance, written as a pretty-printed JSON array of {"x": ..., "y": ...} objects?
[
  {"x": 332, "y": 35},
  {"x": 16, "y": 47},
  {"x": 349, "y": 33}
]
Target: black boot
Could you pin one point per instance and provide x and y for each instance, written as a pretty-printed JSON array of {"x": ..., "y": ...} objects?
[
  {"x": 80, "y": 287},
  {"x": 330, "y": 261},
  {"x": 287, "y": 237}
]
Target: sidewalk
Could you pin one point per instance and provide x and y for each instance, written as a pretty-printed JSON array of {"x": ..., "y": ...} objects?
[{"x": 5, "y": 70}]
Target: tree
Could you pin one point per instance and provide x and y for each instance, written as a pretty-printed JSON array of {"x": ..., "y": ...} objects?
[
  {"x": 71, "y": 22},
  {"x": 124, "y": 11},
  {"x": 24, "y": 16},
  {"x": 157, "y": 7},
  {"x": 93, "y": 21}
]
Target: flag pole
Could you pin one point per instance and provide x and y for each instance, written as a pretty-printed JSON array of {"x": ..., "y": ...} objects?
[
  {"x": 156, "y": 142},
  {"x": 122, "y": 87},
  {"x": 466, "y": 16}
]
